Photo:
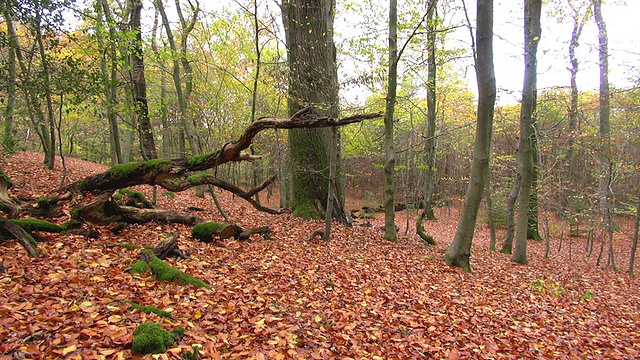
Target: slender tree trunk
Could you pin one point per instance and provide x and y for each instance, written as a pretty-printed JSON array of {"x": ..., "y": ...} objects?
[
  {"x": 634, "y": 247},
  {"x": 109, "y": 72},
  {"x": 606, "y": 163},
  {"x": 390, "y": 159},
  {"x": 139, "y": 86},
  {"x": 430, "y": 143},
  {"x": 532, "y": 13},
  {"x": 332, "y": 185},
  {"x": 182, "y": 93},
  {"x": 507, "y": 246},
  {"x": 254, "y": 90},
  {"x": 46, "y": 71},
  {"x": 7, "y": 137},
  {"x": 459, "y": 251},
  {"x": 34, "y": 107},
  {"x": 492, "y": 226}
]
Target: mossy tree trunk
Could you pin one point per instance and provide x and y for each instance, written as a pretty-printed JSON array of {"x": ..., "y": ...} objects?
[{"x": 313, "y": 80}]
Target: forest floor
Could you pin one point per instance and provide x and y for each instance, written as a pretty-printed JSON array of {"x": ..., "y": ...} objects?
[{"x": 355, "y": 296}]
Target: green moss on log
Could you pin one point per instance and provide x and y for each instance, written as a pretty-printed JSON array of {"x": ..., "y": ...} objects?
[
  {"x": 198, "y": 159},
  {"x": 150, "y": 338},
  {"x": 133, "y": 198},
  {"x": 205, "y": 231},
  {"x": 149, "y": 309},
  {"x": 122, "y": 170},
  {"x": 31, "y": 225},
  {"x": 139, "y": 267},
  {"x": 162, "y": 271}
]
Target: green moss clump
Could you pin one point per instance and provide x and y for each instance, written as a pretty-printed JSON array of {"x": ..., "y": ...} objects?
[
  {"x": 169, "y": 194},
  {"x": 162, "y": 271},
  {"x": 31, "y": 225},
  {"x": 149, "y": 309},
  {"x": 198, "y": 159},
  {"x": 205, "y": 231},
  {"x": 150, "y": 338},
  {"x": 133, "y": 198},
  {"x": 139, "y": 267},
  {"x": 198, "y": 179},
  {"x": 159, "y": 165},
  {"x": 129, "y": 246},
  {"x": 123, "y": 170},
  {"x": 5, "y": 178}
]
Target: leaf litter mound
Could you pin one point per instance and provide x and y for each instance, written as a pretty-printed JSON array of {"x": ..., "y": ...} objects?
[{"x": 356, "y": 296}]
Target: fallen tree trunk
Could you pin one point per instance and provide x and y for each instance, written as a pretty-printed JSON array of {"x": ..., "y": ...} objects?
[
  {"x": 27, "y": 242},
  {"x": 103, "y": 210},
  {"x": 159, "y": 171}
]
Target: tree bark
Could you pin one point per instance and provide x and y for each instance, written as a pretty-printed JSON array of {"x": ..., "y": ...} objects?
[
  {"x": 110, "y": 73},
  {"x": 389, "y": 145},
  {"x": 139, "y": 86},
  {"x": 532, "y": 13},
  {"x": 459, "y": 251},
  {"x": 430, "y": 143},
  {"x": 313, "y": 80},
  {"x": 606, "y": 160},
  {"x": 27, "y": 242},
  {"x": 7, "y": 139}
]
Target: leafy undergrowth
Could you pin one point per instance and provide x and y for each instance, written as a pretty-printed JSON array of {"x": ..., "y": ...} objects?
[{"x": 355, "y": 296}]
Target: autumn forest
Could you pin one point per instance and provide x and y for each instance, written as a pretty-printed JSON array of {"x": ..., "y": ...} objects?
[{"x": 319, "y": 179}]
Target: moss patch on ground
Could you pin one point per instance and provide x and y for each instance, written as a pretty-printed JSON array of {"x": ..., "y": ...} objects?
[
  {"x": 162, "y": 271},
  {"x": 150, "y": 338},
  {"x": 149, "y": 309}
]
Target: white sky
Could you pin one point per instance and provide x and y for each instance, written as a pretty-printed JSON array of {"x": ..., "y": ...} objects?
[
  {"x": 624, "y": 49},
  {"x": 624, "y": 46}
]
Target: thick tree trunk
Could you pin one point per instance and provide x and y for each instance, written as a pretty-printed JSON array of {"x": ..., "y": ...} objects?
[
  {"x": 532, "y": 13},
  {"x": 313, "y": 80},
  {"x": 459, "y": 251}
]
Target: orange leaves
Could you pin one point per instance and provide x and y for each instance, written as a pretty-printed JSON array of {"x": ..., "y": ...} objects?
[{"x": 353, "y": 297}]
